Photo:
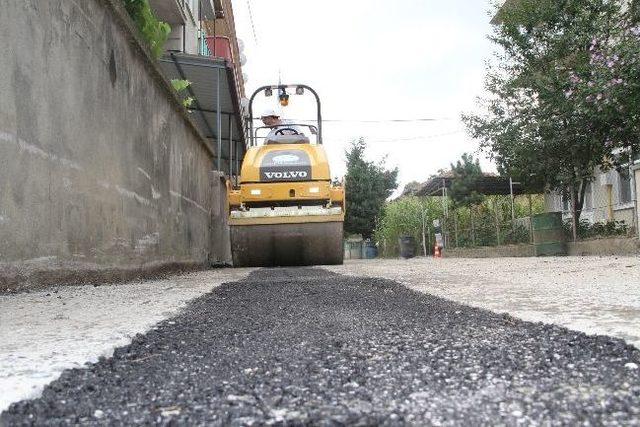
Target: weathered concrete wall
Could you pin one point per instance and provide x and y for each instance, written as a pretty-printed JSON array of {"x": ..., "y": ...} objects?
[
  {"x": 596, "y": 247},
  {"x": 98, "y": 161},
  {"x": 604, "y": 247},
  {"x": 220, "y": 247}
]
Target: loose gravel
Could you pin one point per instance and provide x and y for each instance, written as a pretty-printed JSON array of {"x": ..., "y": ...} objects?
[
  {"x": 306, "y": 346},
  {"x": 594, "y": 295}
]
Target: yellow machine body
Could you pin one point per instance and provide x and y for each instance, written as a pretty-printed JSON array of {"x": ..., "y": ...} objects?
[
  {"x": 316, "y": 189},
  {"x": 286, "y": 210}
]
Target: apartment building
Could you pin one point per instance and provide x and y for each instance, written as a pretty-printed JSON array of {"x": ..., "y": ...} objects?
[{"x": 203, "y": 48}]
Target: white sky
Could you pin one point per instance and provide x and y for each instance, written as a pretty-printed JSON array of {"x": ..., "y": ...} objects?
[{"x": 375, "y": 60}]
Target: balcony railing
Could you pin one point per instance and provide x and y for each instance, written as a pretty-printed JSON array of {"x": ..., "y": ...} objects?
[
  {"x": 203, "y": 49},
  {"x": 219, "y": 47}
]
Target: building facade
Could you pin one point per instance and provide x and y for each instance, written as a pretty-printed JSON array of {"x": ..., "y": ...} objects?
[
  {"x": 186, "y": 19},
  {"x": 204, "y": 50},
  {"x": 610, "y": 196}
]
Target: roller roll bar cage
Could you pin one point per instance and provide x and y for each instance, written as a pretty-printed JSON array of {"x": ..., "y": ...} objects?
[{"x": 252, "y": 135}]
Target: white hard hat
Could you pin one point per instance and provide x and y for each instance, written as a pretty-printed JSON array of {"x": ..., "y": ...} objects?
[{"x": 270, "y": 112}]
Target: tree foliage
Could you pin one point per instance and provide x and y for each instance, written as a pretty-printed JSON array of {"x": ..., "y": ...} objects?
[
  {"x": 562, "y": 93},
  {"x": 466, "y": 173},
  {"x": 154, "y": 32},
  {"x": 411, "y": 188},
  {"x": 368, "y": 186}
]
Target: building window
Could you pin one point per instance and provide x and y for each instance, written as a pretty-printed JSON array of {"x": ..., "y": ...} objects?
[
  {"x": 566, "y": 200},
  {"x": 624, "y": 189},
  {"x": 588, "y": 197}
]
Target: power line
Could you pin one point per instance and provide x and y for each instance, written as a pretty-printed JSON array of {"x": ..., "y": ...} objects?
[
  {"x": 382, "y": 121},
  {"x": 416, "y": 138},
  {"x": 253, "y": 27},
  {"x": 370, "y": 121},
  {"x": 411, "y": 138}
]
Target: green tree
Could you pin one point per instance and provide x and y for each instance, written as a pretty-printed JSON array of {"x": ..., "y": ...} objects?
[
  {"x": 535, "y": 129},
  {"x": 466, "y": 173},
  {"x": 411, "y": 188},
  {"x": 368, "y": 186},
  {"x": 611, "y": 86}
]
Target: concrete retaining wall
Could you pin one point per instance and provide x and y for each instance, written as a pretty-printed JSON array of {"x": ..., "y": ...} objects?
[
  {"x": 596, "y": 247},
  {"x": 491, "y": 252},
  {"x": 603, "y": 247},
  {"x": 99, "y": 163}
]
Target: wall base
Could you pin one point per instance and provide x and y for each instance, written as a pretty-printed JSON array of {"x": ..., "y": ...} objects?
[
  {"x": 28, "y": 276},
  {"x": 604, "y": 247},
  {"x": 491, "y": 252}
]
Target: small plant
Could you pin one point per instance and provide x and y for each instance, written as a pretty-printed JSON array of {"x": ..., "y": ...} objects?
[
  {"x": 180, "y": 86},
  {"x": 586, "y": 230},
  {"x": 152, "y": 30}
]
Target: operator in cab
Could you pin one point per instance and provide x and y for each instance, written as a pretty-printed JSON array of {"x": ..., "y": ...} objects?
[{"x": 271, "y": 118}]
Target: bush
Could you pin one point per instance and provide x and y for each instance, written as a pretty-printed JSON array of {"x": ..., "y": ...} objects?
[
  {"x": 587, "y": 230},
  {"x": 405, "y": 217},
  {"x": 153, "y": 31},
  {"x": 517, "y": 234}
]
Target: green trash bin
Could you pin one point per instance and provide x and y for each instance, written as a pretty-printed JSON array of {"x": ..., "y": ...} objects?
[{"x": 548, "y": 234}]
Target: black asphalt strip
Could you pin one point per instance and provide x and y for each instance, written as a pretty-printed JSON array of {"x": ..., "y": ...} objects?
[{"x": 305, "y": 346}]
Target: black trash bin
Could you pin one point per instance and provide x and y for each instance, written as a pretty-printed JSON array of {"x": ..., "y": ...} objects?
[{"x": 407, "y": 246}]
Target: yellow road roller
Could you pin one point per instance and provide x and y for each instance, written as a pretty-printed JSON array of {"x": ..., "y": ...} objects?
[{"x": 285, "y": 210}]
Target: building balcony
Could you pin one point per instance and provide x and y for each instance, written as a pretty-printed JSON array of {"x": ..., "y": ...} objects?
[{"x": 173, "y": 12}]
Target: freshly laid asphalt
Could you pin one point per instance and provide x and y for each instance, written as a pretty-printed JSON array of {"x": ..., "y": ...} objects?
[{"x": 305, "y": 346}]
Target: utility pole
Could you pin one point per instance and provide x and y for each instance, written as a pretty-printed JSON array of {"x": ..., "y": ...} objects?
[
  {"x": 513, "y": 209},
  {"x": 424, "y": 226}
]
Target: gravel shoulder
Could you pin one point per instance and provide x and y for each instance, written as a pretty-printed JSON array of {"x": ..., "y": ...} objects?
[
  {"x": 307, "y": 346},
  {"x": 45, "y": 332},
  {"x": 595, "y": 295}
]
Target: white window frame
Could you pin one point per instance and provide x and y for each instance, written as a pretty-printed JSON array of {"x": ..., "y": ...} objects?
[{"x": 629, "y": 203}]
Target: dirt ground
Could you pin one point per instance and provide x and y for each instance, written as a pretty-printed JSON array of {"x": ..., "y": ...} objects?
[
  {"x": 45, "y": 332},
  {"x": 595, "y": 295}
]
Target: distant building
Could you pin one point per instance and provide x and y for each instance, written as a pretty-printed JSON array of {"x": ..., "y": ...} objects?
[{"x": 611, "y": 196}]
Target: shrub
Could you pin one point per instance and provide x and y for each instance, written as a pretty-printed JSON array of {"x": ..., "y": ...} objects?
[
  {"x": 153, "y": 31},
  {"x": 587, "y": 230}
]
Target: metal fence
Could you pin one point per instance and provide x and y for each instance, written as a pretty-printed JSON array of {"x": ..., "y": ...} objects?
[{"x": 496, "y": 222}]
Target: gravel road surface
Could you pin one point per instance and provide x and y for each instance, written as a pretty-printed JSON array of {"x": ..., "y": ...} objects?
[
  {"x": 595, "y": 295},
  {"x": 44, "y": 332},
  {"x": 306, "y": 346}
]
